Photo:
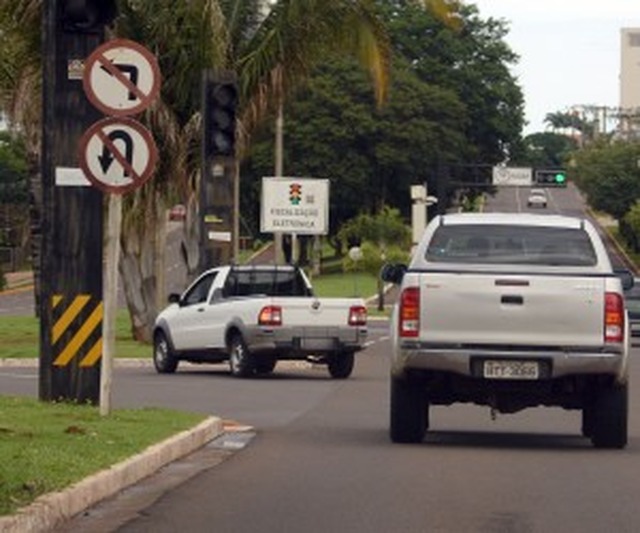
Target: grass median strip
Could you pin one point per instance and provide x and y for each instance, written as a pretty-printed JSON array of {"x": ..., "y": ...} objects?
[
  {"x": 20, "y": 337},
  {"x": 46, "y": 447}
]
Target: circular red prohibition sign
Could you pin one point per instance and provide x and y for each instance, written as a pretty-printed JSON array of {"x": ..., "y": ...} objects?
[
  {"x": 117, "y": 155},
  {"x": 121, "y": 78}
]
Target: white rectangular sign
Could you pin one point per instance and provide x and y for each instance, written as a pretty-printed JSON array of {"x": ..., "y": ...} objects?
[
  {"x": 514, "y": 176},
  {"x": 295, "y": 205},
  {"x": 71, "y": 177}
]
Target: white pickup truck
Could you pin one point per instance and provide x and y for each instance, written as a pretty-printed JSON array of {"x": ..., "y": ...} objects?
[
  {"x": 255, "y": 315},
  {"x": 510, "y": 311}
]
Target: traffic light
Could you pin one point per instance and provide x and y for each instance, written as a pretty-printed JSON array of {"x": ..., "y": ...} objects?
[
  {"x": 551, "y": 177},
  {"x": 295, "y": 193},
  {"x": 220, "y": 104},
  {"x": 86, "y": 16}
]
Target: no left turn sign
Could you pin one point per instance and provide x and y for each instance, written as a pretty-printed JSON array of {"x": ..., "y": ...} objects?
[
  {"x": 117, "y": 155},
  {"x": 121, "y": 78}
]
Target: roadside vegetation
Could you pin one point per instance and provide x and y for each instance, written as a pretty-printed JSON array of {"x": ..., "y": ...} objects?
[
  {"x": 41, "y": 443},
  {"x": 383, "y": 68}
]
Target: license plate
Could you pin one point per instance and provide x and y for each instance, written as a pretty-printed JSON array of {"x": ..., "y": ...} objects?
[
  {"x": 511, "y": 370},
  {"x": 318, "y": 344}
]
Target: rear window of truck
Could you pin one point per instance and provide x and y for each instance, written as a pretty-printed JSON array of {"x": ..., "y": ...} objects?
[
  {"x": 266, "y": 282},
  {"x": 503, "y": 244}
]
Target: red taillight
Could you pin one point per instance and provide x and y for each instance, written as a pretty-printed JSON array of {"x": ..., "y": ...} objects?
[
  {"x": 357, "y": 315},
  {"x": 613, "y": 317},
  {"x": 270, "y": 315},
  {"x": 409, "y": 317}
]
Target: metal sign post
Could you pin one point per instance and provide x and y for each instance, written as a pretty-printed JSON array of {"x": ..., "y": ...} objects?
[{"x": 117, "y": 155}]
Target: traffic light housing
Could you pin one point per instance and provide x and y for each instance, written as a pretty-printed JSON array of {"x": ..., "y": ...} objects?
[
  {"x": 87, "y": 16},
  {"x": 550, "y": 177},
  {"x": 221, "y": 101}
]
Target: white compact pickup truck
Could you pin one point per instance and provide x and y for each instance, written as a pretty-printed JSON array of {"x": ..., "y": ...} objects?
[
  {"x": 255, "y": 315},
  {"x": 510, "y": 311}
]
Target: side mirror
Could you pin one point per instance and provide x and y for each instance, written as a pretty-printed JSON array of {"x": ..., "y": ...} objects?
[
  {"x": 626, "y": 278},
  {"x": 393, "y": 272},
  {"x": 174, "y": 298}
]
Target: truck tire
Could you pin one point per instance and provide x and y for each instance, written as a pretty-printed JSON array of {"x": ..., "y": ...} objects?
[
  {"x": 265, "y": 365},
  {"x": 587, "y": 420},
  {"x": 610, "y": 410},
  {"x": 409, "y": 412},
  {"x": 164, "y": 359},
  {"x": 240, "y": 359},
  {"x": 341, "y": 365}
]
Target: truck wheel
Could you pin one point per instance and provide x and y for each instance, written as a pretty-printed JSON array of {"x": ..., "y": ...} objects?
[
  {"x": 164, "y": 359},
  {"x": 587, "y": 420},
  {"x": 409, "y": 411},
  {"x": 240, "y": 359},
  {"x": 609, "y": 429},
  {"x": 341, "y": 365},
  {"x": 265, "y": 365}
]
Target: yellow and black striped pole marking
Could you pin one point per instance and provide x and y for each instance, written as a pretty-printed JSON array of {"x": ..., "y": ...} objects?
[{"x": 77, "y": 325}]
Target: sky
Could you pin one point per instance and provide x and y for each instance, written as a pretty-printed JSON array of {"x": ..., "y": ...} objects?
[{"x": 569, "y": 51}]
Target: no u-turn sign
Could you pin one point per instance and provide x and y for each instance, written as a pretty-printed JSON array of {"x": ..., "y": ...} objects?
[{"x": 117, "y": 155}]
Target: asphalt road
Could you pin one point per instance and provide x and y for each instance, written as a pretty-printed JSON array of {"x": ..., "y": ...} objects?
[{"x": 319, "y": 459}]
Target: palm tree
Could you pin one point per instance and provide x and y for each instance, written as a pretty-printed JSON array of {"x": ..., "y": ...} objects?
[
  {"x": 20, "y": 88},
  {"x": 270, "y": 51}
]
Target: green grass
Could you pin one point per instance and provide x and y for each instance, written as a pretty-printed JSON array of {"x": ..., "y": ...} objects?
[
  {"x": 48, "y": 446},
  {"x": 615, "y": 233},
  {"x": 21, "y": 337},
  {"x": 351, "y": 284},
  {"x": 358, "y": 285}
]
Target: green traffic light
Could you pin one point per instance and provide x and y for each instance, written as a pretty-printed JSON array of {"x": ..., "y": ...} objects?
[{"x": 560, "y": 177}]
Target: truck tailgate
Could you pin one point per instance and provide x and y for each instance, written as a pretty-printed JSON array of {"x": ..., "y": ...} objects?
[
  {"x": 316, "y": 312},
  {"x": 512, "y": 309}
]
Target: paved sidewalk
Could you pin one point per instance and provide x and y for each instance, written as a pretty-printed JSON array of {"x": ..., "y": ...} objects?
[{"x": 16, "y": 280}]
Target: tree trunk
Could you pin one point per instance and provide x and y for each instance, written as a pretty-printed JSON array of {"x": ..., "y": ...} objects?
[
  {"x": 35, "y": 227},
  {"x": 190, "y": 246},
  {"x": 139, "y": 265}
]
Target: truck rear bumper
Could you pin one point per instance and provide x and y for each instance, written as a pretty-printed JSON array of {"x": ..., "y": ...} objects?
[
  {"x": 467, "y": 362},
  {"x": 303, "y": 341}
]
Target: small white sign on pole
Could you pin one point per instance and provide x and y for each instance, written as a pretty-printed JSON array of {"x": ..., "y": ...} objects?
[
  {"x": 295, "y": 205},
  {"x": 513, "y": 176}
]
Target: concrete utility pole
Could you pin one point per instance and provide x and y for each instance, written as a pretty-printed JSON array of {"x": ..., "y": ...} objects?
[{"x": 277, "y": 236}]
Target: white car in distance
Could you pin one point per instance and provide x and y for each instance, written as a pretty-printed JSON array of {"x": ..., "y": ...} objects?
[{"x": 537, "y": 198}]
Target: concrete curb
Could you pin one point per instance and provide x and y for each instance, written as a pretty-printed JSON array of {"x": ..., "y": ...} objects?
[
  {"x": 51, "y": 510},
  {"x": 30, "y": 362}
]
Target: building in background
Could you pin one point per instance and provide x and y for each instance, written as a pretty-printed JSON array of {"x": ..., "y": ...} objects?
[{"x": 629, "y": 111}]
